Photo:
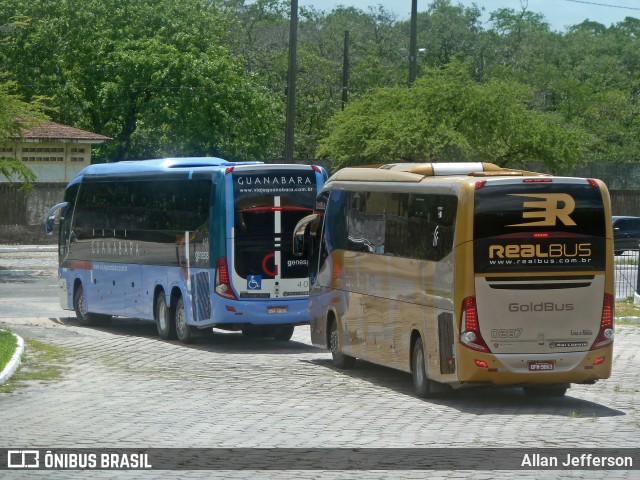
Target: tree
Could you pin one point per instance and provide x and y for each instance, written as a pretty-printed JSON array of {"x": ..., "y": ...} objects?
[
  {"x": 16, "y": 115},
  {"x": 448, "y": 32},
  {"x": 447, "y": 116},
  {"x": 156, "y": 76}
]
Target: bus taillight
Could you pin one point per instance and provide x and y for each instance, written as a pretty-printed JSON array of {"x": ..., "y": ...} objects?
[
  {"x": 471, "y": 337},
  {"x": 605, "y": 335},
  {"x": 222, "y": 283}
]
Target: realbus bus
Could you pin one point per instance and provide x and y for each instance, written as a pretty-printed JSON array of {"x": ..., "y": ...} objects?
[
  {"x": 190, "y": 243},
  {"x": 464, "y": 274}
]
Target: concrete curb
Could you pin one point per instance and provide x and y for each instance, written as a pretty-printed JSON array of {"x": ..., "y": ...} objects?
[{"x": 14, "y": 363}]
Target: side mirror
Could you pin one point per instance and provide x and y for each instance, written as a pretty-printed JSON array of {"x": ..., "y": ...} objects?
[
  {"x": 298, "y": 234},
  {"x": 50, "y": 218}
]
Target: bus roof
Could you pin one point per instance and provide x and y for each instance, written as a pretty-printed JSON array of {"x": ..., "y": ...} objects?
[
  {"x": 417, "y": 172},
  {"x": 157, "y": 165}
]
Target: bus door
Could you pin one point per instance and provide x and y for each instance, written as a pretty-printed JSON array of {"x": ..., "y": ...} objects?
[
  {"x": 267, "y": 206},
  {"x": 540, "y": 263}
]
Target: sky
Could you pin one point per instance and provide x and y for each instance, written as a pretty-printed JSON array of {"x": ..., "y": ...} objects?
[{"x": 558, "y": 13}]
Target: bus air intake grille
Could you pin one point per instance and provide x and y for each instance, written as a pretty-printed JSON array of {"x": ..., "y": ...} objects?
[{"x": 445, "y": 337}]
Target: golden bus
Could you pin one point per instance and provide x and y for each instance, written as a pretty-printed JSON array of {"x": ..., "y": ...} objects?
[{"x": 463, "y": 274}]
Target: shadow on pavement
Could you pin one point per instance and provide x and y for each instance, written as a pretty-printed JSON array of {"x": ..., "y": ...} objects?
[
  {"x": 217, "y": 341},
  {"x": 478, "y": 400}
]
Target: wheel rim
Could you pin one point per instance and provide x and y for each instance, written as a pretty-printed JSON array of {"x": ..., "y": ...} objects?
[
  {"x": 162, "y": 316},
  {"x": 418, "y": 368},
  {"x": 334, "y": 339},
  {"x": 181, "y": 323},
  {"x": 81, "y": 307}
]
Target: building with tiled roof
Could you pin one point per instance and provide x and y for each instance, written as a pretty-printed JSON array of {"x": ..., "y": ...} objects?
[{"x": 52, "y": 151}]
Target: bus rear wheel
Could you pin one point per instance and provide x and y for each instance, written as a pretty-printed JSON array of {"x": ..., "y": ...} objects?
[
  {"x": 84, "y": 317},
  {"x": 421, "y": 383},
  {"x": 546, "y": 390},
  {"x": 340, "y": 360},
  {"x": 184, "y": 332},
  {"x": 166, "y": 328},
  {"x": 283, "y": 334}
]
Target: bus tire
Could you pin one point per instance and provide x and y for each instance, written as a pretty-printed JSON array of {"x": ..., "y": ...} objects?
[
  {"x": 546, "y": 390},
  {"x": 283, "y": 334},
  {"x": 85, "y": 318},
  {"x": 340, "y": 359},
  {"x": 184, "y": 332},
  {"x": 421, "y": 383},
  {"x": 166, "y": 328}
]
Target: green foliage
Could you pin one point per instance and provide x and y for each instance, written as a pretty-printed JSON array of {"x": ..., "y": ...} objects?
[
  {"x": 154, "y": 75},
  {"x": 197, "y": 77},
  {"x": 447, "y": 116}
]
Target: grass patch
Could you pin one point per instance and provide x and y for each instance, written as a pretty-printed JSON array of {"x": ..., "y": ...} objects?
[
  {"x": 627, "y": 308},
  {"x": 40, "y": 362},
  {"x": 8, "y": 344}
]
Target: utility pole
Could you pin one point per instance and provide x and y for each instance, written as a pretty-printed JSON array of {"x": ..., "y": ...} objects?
[
  {"x": 291, "y": 83},
  {"x": 345, "y": 70},
  {"x": 413, "y": 42}
]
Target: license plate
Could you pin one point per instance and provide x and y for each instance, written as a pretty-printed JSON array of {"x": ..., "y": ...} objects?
[
  {"x": 541, "y": 366},
  {"x": 277, "y": 310}
]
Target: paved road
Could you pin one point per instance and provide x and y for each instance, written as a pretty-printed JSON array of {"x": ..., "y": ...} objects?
[
  {"x": 28, "y": 282},
  {"x": 126, "y": 388}
]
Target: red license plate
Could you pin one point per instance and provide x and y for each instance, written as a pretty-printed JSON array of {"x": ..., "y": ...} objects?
[
  {"x": 541, "y": 365},
  {"x": 277, "y": 310}
]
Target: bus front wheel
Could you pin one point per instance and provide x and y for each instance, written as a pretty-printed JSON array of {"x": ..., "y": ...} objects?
[
  {"x": 340, "y": 360},
  {"x": 80, "y": 307},
  {"x": 184, "y": 332},
  {"x": 421, "y": 383},
  {"x": 166, "y": 328}
]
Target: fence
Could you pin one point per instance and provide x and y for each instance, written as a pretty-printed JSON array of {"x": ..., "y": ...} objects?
[{"x": 626, "y": 274}]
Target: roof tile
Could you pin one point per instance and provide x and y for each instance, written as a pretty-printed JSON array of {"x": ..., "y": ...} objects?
[{"x": 55, "y": 131}]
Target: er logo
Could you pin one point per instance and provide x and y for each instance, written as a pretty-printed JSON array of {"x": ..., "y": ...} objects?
[{"x": 551, "y": 207}]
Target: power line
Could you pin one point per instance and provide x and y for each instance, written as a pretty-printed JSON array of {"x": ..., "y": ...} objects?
[{"x": 604, "y": 5}]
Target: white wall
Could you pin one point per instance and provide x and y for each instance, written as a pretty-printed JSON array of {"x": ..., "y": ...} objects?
[{"x": 50, "y": 161}]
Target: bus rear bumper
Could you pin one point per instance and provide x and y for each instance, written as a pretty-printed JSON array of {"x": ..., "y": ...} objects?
[
  {"x": 235, "y": 315},
  {"x": 573, "y": 367}
]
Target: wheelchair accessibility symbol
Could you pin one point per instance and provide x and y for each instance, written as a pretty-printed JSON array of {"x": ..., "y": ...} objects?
[{"x": 254, "y": 282}]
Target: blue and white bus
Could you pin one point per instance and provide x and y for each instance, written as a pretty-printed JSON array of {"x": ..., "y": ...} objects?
[{"x": 190, "y": 243}]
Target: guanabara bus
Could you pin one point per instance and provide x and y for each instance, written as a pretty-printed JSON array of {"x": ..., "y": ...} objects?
[
  {"x": 190, "y": 243},
  {"x": 464, "y": 274}
]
